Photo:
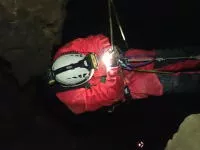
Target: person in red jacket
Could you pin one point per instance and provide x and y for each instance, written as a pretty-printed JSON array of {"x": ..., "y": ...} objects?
[
  {"x": 88, "y": 76},
  {"x": 104, "y": 88}
]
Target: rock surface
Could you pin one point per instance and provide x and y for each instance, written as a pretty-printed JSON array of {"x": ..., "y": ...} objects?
[
  {"x": 188, "y": 135},
  {"x": 28, "y": 31}
]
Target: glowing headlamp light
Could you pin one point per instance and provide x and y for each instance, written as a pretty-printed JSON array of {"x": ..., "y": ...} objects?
[{"x": 107, "y": 59}]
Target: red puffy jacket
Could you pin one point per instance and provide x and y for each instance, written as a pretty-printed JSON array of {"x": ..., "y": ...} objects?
[
  {"x": 101, "y": 93},
  {"x": 141, "y": 84}
]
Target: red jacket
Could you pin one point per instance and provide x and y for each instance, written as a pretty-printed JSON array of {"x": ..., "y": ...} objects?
[
  {"x": 101, "y": 94},
  {"x": 141, "y": 85}
]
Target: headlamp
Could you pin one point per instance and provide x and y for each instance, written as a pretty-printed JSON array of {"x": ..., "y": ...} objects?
[{"x": 91, "y": 59}]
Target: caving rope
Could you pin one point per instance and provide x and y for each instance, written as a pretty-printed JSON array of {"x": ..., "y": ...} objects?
[
  {"x": 112, "y": 8},
  {"x": 127, "y": 62}
]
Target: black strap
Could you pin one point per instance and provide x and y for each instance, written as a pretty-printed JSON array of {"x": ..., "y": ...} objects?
[
  {"x": 127, "y": 93},
  {"x": 59, "y": 88},
  {"x": 69, "y": 67},
  {"x": 128, "y": 98}
]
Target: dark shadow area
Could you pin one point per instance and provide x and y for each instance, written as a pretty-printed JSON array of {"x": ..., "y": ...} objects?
[{"x": 146, "y": 24}]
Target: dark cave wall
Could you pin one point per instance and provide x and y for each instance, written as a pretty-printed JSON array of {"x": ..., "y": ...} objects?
[{"x": 28, "y": 31}]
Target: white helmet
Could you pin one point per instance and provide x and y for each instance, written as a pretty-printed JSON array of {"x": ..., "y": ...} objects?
[{"x": 73, "y": 69}]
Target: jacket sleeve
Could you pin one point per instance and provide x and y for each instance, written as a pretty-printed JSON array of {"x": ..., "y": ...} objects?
[
  {"x": 94, "y": 43},
  {"x": 142, "y": 85},
  {"x": 178, "y": 65},
  {"x": 102, "y": 94}
]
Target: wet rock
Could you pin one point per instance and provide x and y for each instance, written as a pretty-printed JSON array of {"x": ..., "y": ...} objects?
[
  {"x": 28, "y": 31},
  {"x": 188, "y": 135}
]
